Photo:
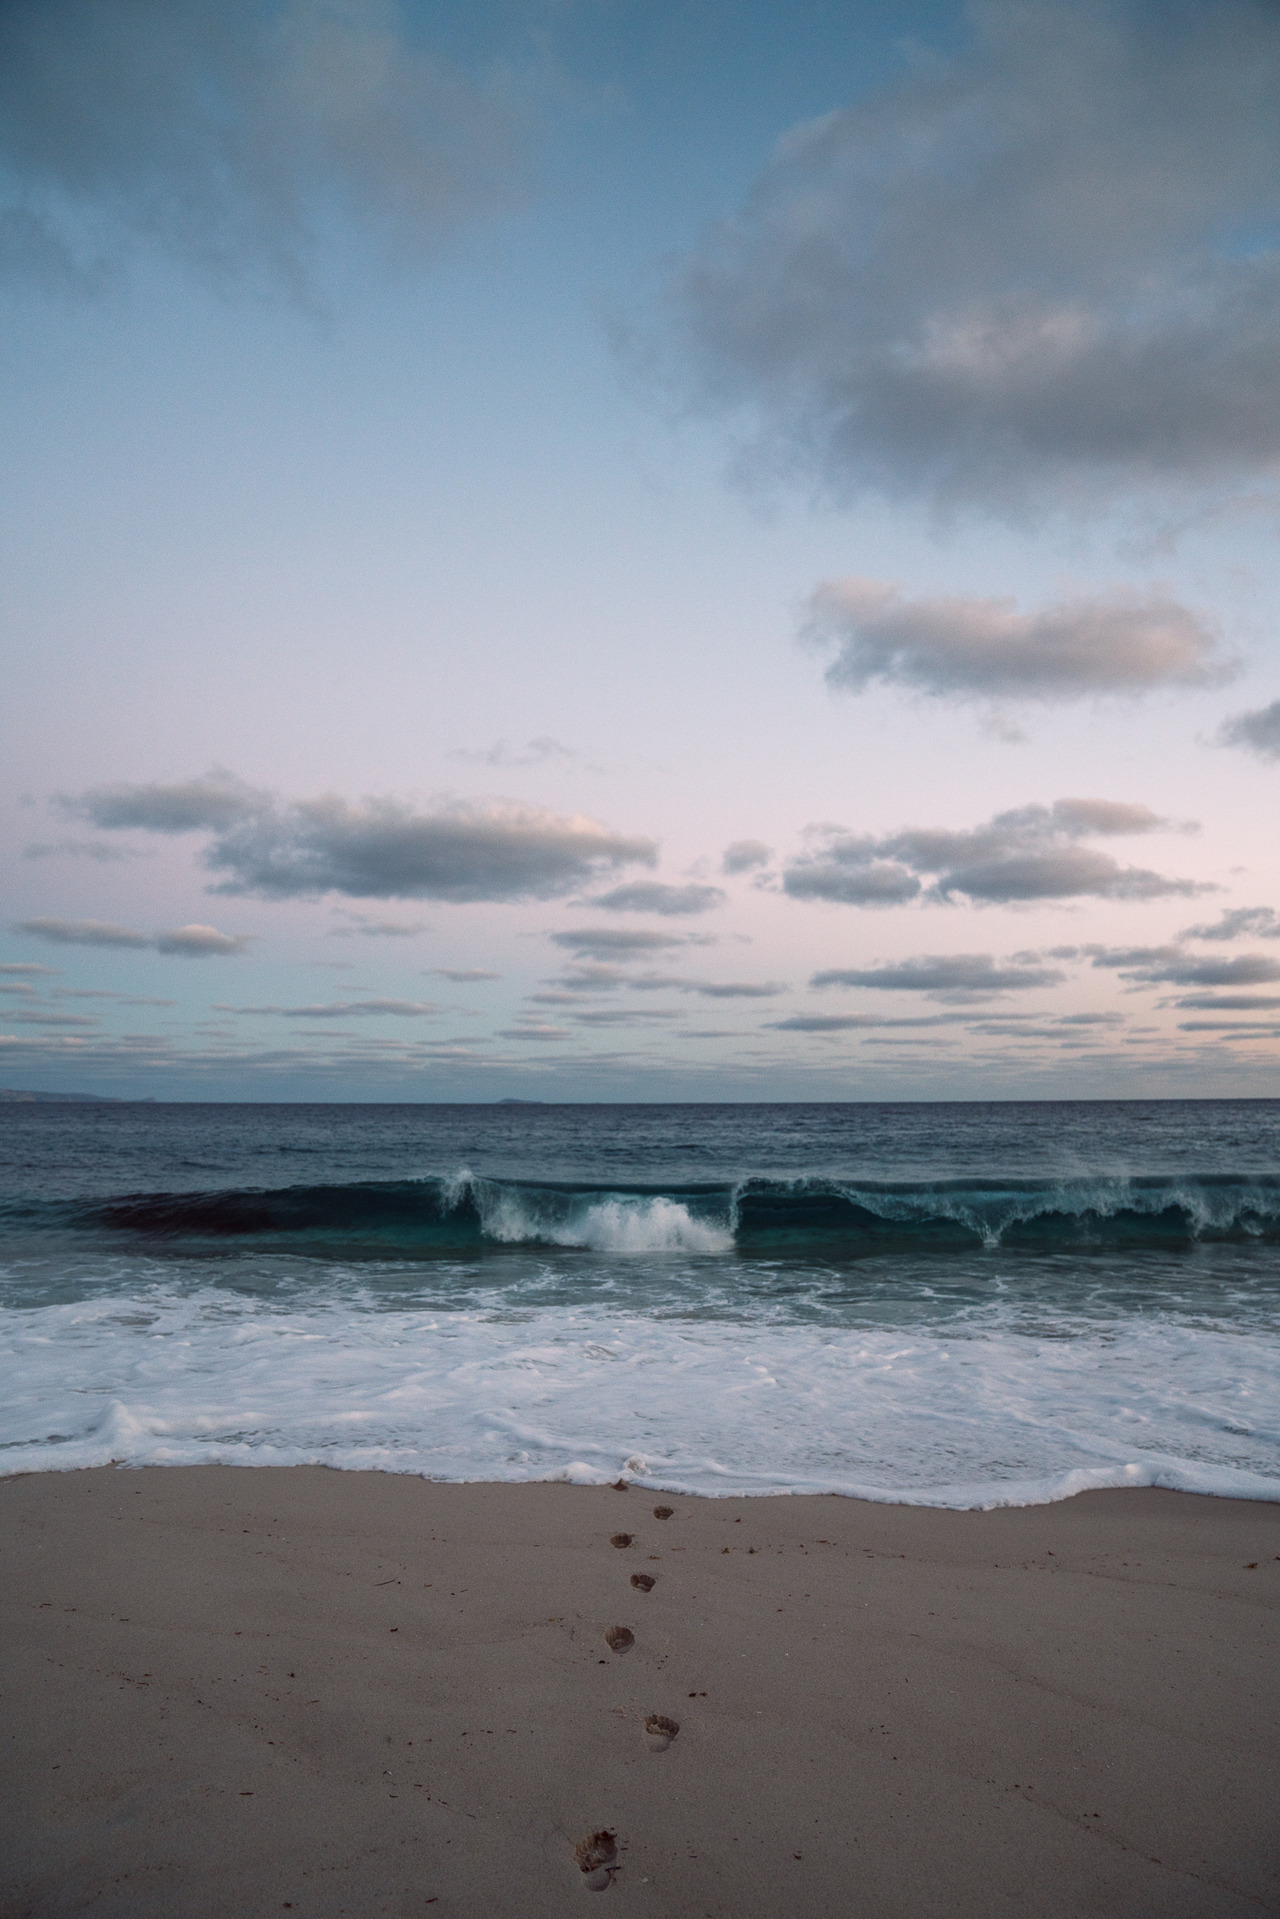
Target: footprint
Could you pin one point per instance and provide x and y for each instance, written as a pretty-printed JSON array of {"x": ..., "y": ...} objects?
[
  {"x": 619, "y": 1639},
  {"x": 644, "y": 1581},
  {"x": 597, "y": 1857},
  {"x": 659, "y": 1731},
  {"x": 622, "y": 1539},
  {"x": 662, "y": 1512}
]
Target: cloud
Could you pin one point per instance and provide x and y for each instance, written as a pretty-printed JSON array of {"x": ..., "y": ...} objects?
[
  {"x": 1229, "y": 1002},
  {"x": 844, "y": 876},
  {"x": 744, "y": 855},
  {"x": 231, "y": 135},
  {"x": 1259, "y": 731},
  {"x": 380, "y": 929},
  {"x": 1029, "y": 853},
  {"x": 651, "y": 896},
  {"x": 1248, "y": 969},
  {"x": 615, "y": 942},
  {"x": 1173, "y": 966},
  {"x": 533, "y": 753},
  {"x": 1031, "y": 272},
  {"x": 198, "y": 942},
  {"x": 465, "y": 975},
  {"x": 734, "y": 989},
  {"x": 1119, "y": 956},
  {"x": 628, "y": 1016},
  {"x": 54, "y": 1019},
  {"x": 1242, "y": 922},
  {"x": 189, "y": 942},
  {"x": 984, "y": 649},
  {"x": 378, "y": 849},
  {"x": 849, "y": 1022},
  {"x": 536, "y": 1030},
  {"x": 344, "y": 1009},
  {"x": 947, "y": 976},
  {"x": 27, "y": 968},
  {"x": 212, "y": 803},
  {"x": 100, "y": 850},
  {"x": 83, "y": 932}
]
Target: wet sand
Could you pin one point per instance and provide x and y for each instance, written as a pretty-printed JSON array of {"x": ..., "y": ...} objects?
[{"x": 256, "y": 1691}]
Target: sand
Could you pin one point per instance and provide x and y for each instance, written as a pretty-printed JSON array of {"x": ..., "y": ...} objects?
[{"x": 257, "y": 1691}]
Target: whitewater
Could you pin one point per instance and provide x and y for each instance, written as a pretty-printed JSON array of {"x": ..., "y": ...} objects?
[{"x": 961, "y": 1305}]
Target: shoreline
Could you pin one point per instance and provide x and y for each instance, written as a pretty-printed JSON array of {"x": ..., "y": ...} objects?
[{"x": 351, "y": 1691}]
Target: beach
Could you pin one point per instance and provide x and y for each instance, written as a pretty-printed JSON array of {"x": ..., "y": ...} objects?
[{"x": 256, "y": 1691}]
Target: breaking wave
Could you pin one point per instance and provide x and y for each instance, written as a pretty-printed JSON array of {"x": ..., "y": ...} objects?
[{"x": 816, "y": 1218}]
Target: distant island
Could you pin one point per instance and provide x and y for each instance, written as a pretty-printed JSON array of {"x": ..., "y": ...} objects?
[{"x": 97, "y": 1099}]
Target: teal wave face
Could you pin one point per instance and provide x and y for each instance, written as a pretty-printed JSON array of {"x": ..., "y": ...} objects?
[{"x": 465, "y": 1216}]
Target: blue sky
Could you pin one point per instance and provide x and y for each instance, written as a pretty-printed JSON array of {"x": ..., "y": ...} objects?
[{"x": 617, "y": 551}]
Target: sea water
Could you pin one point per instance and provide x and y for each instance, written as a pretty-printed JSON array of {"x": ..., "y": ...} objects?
[{"x": 954, "y": 1305}]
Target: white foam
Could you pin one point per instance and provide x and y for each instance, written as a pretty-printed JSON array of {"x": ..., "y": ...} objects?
[
  {"x": 975, "y": 1412},
  {"x": 609, "y": 1224}
]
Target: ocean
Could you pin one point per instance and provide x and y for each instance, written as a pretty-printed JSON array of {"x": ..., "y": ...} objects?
[{"x": 962, "y": 1305}]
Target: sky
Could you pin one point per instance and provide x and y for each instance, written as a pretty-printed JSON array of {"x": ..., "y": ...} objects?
[{"x": 638, "y": 550}]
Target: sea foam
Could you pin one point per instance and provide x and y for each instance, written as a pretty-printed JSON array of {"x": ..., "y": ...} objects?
[{"x": 974, "y": 1412}]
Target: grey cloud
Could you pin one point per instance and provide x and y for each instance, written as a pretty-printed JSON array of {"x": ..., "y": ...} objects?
[
  {"x": 189, "y": 942},
  {"x": 985, "y": 649},
  {"x": 230, "y": 134},
  {"x": 1254, "y": 1029},
  {"x": 345, "y": 1009},
  {"x": 378, "y": 849},
  {"x": 1158, "y": 965},
  {"x": 629, "y": 1016},
  {"x": 743, "y": 855},
  {"x": 390, "y": 929},
  {"x": 532, "y": 753},
  {"x": 198, "y": 942},
  {"x": 1031, "y": 272},
  {"x": 946, "y": 976},
  {"x": 590, "y": 976},
  {"x": 849, "y": 1022},
  {"x": 100, "y": 850},
  {"x": 846, "y": 878},
  {"x": 1229, "y": 1002},
  {"x": 1249, "y": 969},
  {"x": 1259, "y": 731},
  {"x": 465, "y": 975},
  {"x": 103, "y": 992},
  {"x": 651, "y": 896},
  {"x": 54, "y": 1019},
  {"x": 28, "y": 967},
  {"x": 383, "y": 850},
  {"x": 1242, "y": 922},
  {"x": 1029, "y": 853},
  {"x": 1119, "y": 957},
  {"x": 735, "y": 989},
  {"x": 211, "y": 803},
  {"x": 615, "y": 942},
  {"x": 83, "y": 932}
]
